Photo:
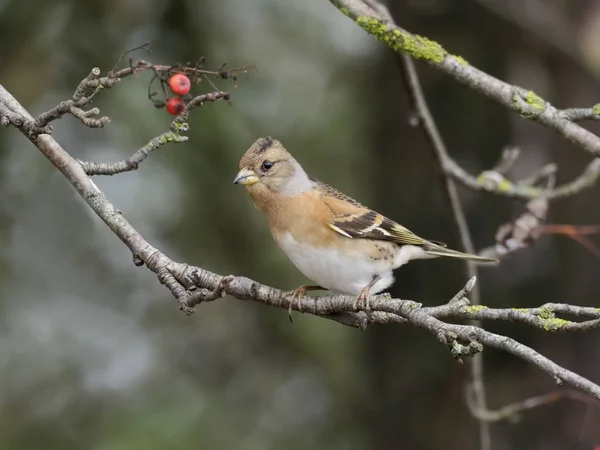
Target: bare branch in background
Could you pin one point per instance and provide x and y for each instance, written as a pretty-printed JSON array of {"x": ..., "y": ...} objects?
[
  {"x": 520, "y": 233},
  {"x": 495, "y": 182},
  {"x": 512, "y": 412},
  {"x": 578, "y": 233}
]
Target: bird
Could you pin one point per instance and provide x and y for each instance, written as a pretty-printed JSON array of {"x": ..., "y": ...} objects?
[{"x": 335, "y": 241}]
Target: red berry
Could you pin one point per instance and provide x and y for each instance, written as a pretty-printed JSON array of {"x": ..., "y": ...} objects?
[
  {"x": 175, "y": 106},
  {"x": 180, "y": 84}
]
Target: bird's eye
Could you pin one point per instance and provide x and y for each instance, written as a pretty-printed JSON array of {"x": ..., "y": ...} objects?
[{"x": 266, "y": 165}]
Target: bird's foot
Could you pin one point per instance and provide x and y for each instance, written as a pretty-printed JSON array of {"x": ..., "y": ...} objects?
[
  {"x": 297, "y": 295},
  {"x": 362, "y": 301}
]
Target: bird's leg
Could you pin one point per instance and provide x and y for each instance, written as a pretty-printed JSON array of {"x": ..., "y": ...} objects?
[
  {"x": 297, "y": 295},
  {"x": 362, "y": 300}
]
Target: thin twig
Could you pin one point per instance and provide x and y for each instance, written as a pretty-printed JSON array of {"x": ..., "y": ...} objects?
[
  {"x": 133, "y": 162},
  {"x": 521, "y": 232},
  {"x": 578, "y": 114},
  {"x": 513, "y": 410},
  {"x": 94, "y": 83},
  {"x": 178, "y": 126},
  {"x": 494, "y": 182},
  {"x": 83, "y": 85}
]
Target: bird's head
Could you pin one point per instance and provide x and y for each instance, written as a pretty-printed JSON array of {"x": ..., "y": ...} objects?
[{"x": 268, "y": 166}]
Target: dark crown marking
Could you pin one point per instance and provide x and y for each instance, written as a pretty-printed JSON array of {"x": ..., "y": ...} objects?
[{"x": 264, "y": 143}]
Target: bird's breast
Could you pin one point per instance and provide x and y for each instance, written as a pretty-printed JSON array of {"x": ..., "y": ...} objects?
[{"x": 337, "y": 268}]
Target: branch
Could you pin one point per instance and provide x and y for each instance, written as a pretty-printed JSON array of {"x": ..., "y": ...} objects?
[
  {"x": 463, "y": 340},
  {"x": 178, "y": 126},
  {"x": 520, "y": 233},
  {"x": 133, "y": 162},
  {"x": 579, "y": 114},
  {"x": 496, "y": 183},
  {"x": 526, "y": 103}
]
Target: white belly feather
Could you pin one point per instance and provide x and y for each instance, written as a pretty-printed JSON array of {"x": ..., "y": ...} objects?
[{"x": 337, "y": 271}]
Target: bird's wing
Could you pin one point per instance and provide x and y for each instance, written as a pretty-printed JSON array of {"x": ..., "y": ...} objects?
[
  {"x": 327, "y": 191},
  {"x": 355, "y": 221}
]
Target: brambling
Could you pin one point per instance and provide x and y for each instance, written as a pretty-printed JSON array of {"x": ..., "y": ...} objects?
[{"x": 331, "y": 238}]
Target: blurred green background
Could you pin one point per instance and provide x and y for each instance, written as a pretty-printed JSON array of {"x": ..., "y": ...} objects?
[{"x": 93, "y": 351}]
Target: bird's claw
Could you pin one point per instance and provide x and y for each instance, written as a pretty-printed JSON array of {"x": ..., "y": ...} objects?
[
  {"x": 362, "y": 302},
  {"x": 296, "y": 295}
]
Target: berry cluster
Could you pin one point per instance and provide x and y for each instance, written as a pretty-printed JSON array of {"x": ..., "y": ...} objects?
[
  {"x": 178, "y": 80},
  {"x": 180, "y": 85}
]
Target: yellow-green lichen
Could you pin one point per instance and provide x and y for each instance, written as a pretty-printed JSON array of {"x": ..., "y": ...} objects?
[
  {"x": 516, "y": 102},
  {"x": 531, "y": 191},
  {"x": 494, "y": 181},
  {"x": 475, "y": 308},
  {"x": 522, "y": 310},
  {"x": 416, "y": 46},
  {"x": 345, "y": 11},
  {"x": 169, "y": 137},
  {"x": 504, "y": 185},
  {"x": 546, "y": 313},
  {"x": 180, "y": 127},
  {"x": 528, "y": 105},
  {"x": 481, "y": 179},
  {"x": 596, "y": 109},
  {"x": 462, "y": 61},
  {"x": 554, "y": 324},
  {"x": 535, "y": 101},
  {"x": 549, "y": 321}
]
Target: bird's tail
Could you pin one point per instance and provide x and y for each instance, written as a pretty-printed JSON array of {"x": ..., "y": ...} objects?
[{"x": 435, "y": 250}]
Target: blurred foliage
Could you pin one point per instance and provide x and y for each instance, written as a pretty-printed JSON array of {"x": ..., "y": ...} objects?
[{"x": 93, "y": 351}]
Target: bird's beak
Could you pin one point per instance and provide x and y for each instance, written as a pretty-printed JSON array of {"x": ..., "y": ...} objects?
[{"x": 245, "y": 177}]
